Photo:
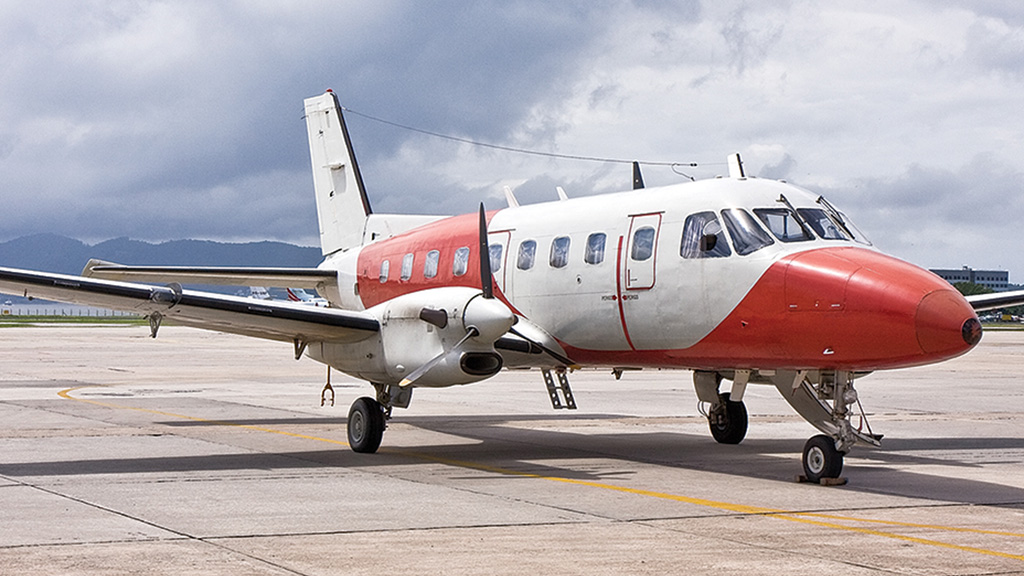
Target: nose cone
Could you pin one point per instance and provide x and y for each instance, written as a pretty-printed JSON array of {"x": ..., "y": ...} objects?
[
  {"x": 945, "y": 323},
  {"x": 874, "y": 311}
]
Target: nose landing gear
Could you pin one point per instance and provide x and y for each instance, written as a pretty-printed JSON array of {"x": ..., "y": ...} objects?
[{"x": 821, "y": 459}]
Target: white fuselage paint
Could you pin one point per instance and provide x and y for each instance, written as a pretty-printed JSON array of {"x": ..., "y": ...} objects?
[{"x": 663, "y": 302}]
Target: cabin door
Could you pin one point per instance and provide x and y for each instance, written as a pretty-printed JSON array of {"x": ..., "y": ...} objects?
[{"x": 641, "y": 252}]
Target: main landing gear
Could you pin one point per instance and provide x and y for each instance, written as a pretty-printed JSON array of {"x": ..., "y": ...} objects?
[
  {"x": 368, "y": 417},
  {"x": 728, "y": 420},
  {"x": 366, "y": 423}
]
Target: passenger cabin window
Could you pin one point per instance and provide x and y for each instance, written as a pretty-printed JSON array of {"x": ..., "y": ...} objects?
[
  {"x": 595, "y": 248},
  {"x": 822, "y": 224},
  {"x": 527, "y": 252},
  {"x": 747, "y": 236},
  {"x": 407, "y": 267},
  {"x": 703, "y": 237},
  {"x": 385, "y": 266},
  {"x": 784, "y": 224},
  {"x": 643, "y": 244},
  {"x": 495, "y": 251},
  {"x": 461, "y": 262},
  {"x": 430, "y": 265},
  {"x": 559, "y": 257}
]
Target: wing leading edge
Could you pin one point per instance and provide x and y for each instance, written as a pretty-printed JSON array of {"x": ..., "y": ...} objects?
[
  {"x": 284, "y": 321},
  {"x": 982, "y": 302}
]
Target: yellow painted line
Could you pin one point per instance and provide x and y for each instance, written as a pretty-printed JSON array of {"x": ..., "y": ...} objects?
[
  {"x": 800, "y": 517},
  {"x": 67, "y": 394}
]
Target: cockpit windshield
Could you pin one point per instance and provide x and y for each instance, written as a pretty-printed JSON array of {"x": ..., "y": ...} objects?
[
  {"x": 784, "y": 224},
  {"x": 746, "y": 235},
  {"x": 844, "y": 223},
  {"x": 823, "y": 225}
]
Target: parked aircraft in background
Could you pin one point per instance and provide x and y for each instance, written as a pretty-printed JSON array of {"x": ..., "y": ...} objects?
[
  {"x": 300, "y": 295},
  {"x": 741, "y": 280}
]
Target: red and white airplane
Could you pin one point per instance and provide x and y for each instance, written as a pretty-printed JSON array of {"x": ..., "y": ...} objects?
[{"x": 738, "y": 279}]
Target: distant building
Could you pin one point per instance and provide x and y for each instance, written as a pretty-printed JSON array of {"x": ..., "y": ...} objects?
[{"x": 998, "y": 280}]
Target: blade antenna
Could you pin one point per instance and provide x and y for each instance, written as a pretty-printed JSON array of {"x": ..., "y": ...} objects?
[{"x": 486, "y": 280}]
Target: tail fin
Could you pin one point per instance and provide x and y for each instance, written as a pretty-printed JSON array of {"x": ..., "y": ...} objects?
[{"x": 341, "y": 202}]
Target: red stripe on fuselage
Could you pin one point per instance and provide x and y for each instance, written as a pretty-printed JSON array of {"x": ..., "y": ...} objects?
[{"x": 446, "y": 236}]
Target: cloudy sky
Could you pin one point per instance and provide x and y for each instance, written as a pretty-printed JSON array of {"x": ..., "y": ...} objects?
[{"x": 169, "y": 120}]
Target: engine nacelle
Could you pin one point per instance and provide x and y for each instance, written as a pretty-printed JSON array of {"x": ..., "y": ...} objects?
[{"x": 417, "y": 328}]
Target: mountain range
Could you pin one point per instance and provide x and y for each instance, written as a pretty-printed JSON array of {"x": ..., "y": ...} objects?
[{"x": 55, "y": 253}]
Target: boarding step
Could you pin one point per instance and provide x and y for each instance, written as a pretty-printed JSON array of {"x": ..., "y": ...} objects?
[{"x": 557, "y": 401}]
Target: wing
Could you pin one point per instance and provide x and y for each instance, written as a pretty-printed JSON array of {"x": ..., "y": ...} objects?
[
  {"x": 294, "y": 277},
  {"x": 284, "y": 321},
  {"x": 982, "y": 302}
]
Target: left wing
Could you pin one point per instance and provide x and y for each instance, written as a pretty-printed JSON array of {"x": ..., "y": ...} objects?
[
  {"x": 259, "y": 318},
  {"x": 982, "y": 302}
]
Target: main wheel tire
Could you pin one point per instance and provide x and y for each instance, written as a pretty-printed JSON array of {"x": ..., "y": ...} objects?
[
  {"x": 821, "y": 459},
  {"x": 365, "y": 425},
  {"x": 728, "y": 422}
]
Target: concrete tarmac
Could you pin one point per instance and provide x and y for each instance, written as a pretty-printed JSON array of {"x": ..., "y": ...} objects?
[{"x": 204, "y": 453}]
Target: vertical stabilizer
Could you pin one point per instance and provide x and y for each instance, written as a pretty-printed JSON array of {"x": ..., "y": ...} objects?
[{"x": 341, "y": 202}]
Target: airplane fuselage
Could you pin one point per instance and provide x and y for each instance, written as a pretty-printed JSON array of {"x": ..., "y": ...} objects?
[{"x": 621, "y": 280}]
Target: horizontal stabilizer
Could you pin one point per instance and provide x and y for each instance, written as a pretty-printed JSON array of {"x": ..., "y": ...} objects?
[{"x": 215, "y": 275}]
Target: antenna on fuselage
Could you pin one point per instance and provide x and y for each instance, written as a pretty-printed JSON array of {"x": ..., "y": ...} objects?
[
  {"x": 638, "y": 179},
  {"x": 736, "y": 166},
  {"x": 513, "y": 202}
]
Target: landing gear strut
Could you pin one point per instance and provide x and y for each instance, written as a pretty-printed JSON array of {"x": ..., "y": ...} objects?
[{"x": 827, "y": 400}]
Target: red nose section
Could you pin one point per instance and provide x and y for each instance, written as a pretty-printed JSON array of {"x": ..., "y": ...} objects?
[
  {"x": 844, "y": 308},
  {"x": 945, "y": 323}
]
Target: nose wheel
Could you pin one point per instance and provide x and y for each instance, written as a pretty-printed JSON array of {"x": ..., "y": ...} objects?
[{"x": 821, "y": 459}]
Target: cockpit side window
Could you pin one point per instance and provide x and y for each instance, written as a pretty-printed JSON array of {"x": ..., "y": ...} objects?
[
  {"x": 784, "y": 224},
  {"x": 822, "y": 224},
  {"x": 703, "y": 237},
  {"x": 747, "y": 236}
]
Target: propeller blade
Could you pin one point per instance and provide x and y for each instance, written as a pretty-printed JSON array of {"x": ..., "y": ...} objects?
[
  {"x": 486, "y": 280},
  {"x": 569, "y": 363},
  {"x": 419, "y": 372}
]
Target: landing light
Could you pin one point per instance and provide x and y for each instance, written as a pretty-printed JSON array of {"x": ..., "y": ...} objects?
[{"x": 971, "y": 331}]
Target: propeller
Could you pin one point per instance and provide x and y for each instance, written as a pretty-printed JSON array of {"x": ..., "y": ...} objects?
[
  {"x": 487, "y": 287},
  {"x": 483, "y": 316},
  {"x": 486, "y": 277}
]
